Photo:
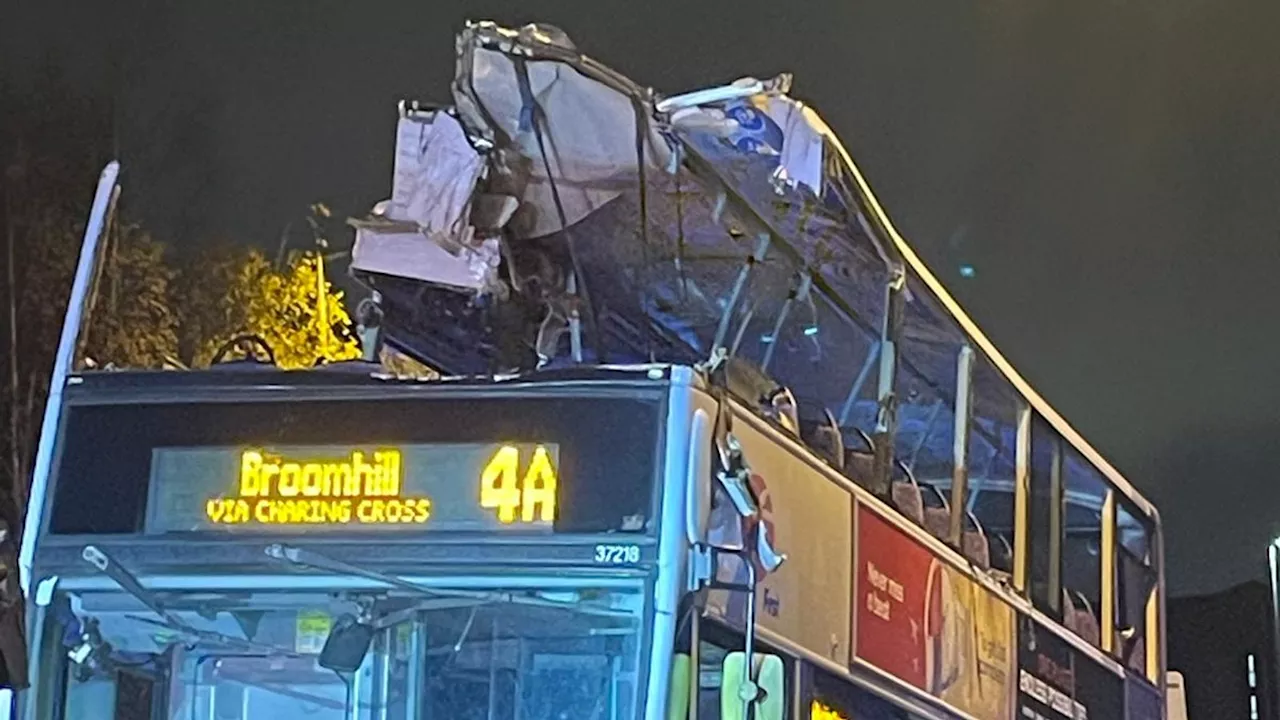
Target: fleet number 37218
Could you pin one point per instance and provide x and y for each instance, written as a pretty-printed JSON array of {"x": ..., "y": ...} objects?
[{"x": 617, "y": 554}]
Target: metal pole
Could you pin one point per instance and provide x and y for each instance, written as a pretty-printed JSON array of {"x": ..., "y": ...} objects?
[
  {"x": 1273, "y": 554},
  {"x": 748, "y": 650},
  {"x": 95, "y": 281},
  {"x": 322, "y": 311},
  {"x": 62, "y": 367},
  {"x": 722, "y": 331},
  {"x": 886, "y": 395},
  {"x": 320, "y": 210},
  {"x": 799, "y": 295},
  {"x": 924, "y": 435},
  {"x": 695, "y": 654},
  {"x": 960, "y": 444},
  {"x": 873, "y": 354},
  {"x": 17, "y": 476}
]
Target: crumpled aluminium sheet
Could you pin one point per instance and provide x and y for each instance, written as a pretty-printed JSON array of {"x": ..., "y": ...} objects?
[{"x": 424, "y": 232}]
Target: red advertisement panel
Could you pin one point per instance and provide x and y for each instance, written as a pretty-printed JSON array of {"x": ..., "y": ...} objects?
[
  {"x": 893, "y": 572},
  {"x": 925, "y": 622}
]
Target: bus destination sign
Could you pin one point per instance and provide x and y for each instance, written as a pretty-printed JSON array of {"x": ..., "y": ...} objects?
[{"x": 436, "y": 487}]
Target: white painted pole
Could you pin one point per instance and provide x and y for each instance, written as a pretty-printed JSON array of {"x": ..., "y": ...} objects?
[{"x": 62, "y": 366}]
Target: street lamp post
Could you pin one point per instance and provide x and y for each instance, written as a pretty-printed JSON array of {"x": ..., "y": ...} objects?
[
  {"x": 320, "y": 210},
  {"x": 322, "y": 299},
  {"x": 1273, "y": 574}
]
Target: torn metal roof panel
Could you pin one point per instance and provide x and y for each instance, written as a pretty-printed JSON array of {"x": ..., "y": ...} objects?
[{"x": 610, "y": 224}]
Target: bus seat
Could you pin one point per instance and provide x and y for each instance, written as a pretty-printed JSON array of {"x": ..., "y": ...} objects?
[
  {"x": 1002, "y": 558},
  {"x": 976, "y": 546},
  {"x": 1068, "y": 611},
  {"x": 906, "y": 498},
  {"x": 937, "y": 514},
  {"x": 825, "y": 439},
  {"x": 937, "y": 521},
  {"x": 858, "y": 466},
  {"x": 1087, "y": 627},
  {"x": 1086, "y": 622}
]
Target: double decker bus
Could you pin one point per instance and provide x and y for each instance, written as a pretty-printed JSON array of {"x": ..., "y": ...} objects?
[{"x": 712, "y": 442}]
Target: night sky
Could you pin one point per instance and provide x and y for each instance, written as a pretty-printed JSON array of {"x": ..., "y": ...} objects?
[{"x": 1110, "y": 168}]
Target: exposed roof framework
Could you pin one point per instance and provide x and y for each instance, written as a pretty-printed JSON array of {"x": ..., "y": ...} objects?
[{"x": 602, "y": 223}]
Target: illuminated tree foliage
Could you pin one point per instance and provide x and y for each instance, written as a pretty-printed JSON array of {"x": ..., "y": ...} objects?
[
  {"x": 282, "y": 308},
  {"x": 228, "y": 291}
]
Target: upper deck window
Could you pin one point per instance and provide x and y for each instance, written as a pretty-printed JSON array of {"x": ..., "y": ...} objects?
[
  {"x": 1135, "y": 586},
  {"x": 991, "y": 461},
  {"x": 1086, "y": 493},
  {"x": 1044, "y": 519}
]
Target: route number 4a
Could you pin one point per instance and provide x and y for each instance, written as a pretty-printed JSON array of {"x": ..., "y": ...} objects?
[{"x": 528, "y": 496}]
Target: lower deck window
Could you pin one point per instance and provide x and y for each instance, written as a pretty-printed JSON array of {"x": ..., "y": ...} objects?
[{"x": 834, "y": 698}]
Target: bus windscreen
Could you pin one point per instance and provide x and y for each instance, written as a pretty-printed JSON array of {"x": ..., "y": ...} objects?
[{"x": 480, "y": 464}]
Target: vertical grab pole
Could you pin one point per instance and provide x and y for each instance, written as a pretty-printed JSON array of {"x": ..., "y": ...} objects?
[
  {"x": 739, "y": 284},
  {"x": 62, "y": 366},
  {"x": 1057, "y": 528},
  {"x": 1022, "y": 498},
  {"x": 960, "y": 444},
  {"x": 886, "y": 395},
  {"x": 873, "y": 354},
  {"x": 749, "y": 646}
]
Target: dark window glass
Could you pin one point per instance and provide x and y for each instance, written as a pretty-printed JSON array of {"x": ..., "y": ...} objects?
[
  {"x": 1085, "y": 492},
  {"x": 993, "y": 434},
  {"x": 1135, "y": 582},
  {"x": 1045, "y": 519}
]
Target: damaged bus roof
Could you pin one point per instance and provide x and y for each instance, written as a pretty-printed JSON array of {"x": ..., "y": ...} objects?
[{"x": 559, "y": 212}]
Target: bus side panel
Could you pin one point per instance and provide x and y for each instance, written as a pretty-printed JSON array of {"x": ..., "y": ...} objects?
[{"x": 810, "y": 520}]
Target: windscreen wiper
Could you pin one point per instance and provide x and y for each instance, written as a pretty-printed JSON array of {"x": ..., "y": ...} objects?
[
  {"x": 302, "y": 557},
  {"x": 112, "y": 568},
  {"x": 128, "y": 582}
]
